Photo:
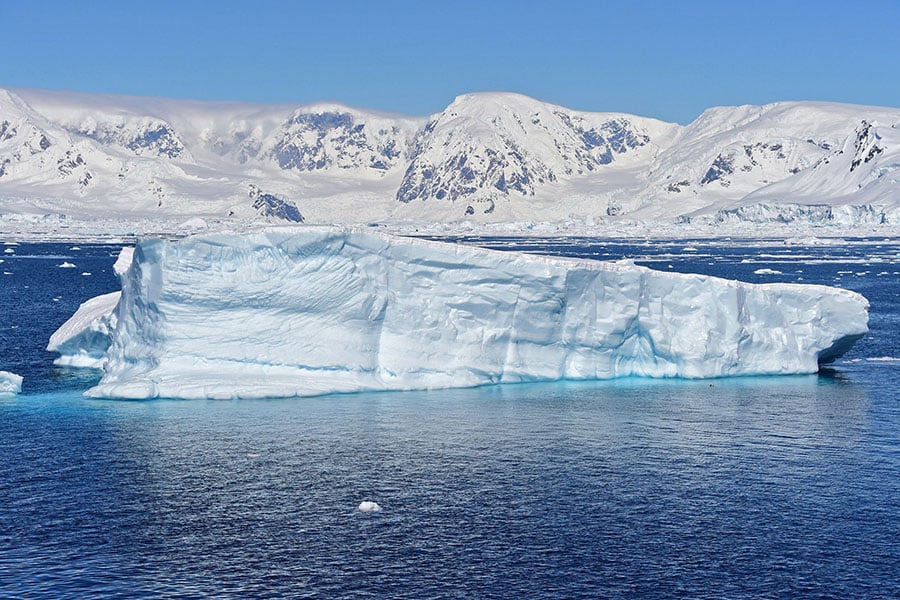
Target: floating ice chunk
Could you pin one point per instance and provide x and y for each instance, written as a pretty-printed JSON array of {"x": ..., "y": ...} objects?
[
  {"x": 305, "y": 311},
  {"x": 810, "y": 241},
  {"x": 766, "y": 272},
  {"x": 10, "y": 383},
  {"x": 67, "y": 265},
  {"x": 82, "y": 341},
  {"x": 367, "y": 506}
]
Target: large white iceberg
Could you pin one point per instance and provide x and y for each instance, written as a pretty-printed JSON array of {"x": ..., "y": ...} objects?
[{"x": 305, "y": 311}]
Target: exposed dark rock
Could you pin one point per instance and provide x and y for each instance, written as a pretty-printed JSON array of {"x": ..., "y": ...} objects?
[
  {"x": 723, "y": 165},
  {"x": 269, "y": 205}
]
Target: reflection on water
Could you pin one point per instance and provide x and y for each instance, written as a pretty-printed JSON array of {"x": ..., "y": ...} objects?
[{"x": 735, "y": 486}]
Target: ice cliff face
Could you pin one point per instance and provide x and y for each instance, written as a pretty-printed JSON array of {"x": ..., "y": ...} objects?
[
  {"x": 296, "y": 312},
  {"x": 488, "y": 157}
]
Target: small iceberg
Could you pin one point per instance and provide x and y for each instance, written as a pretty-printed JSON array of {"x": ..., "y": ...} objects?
[
  {"x": 766, "y": 272},
  {"x": 11, "y": 384},
  {"x": 367, "y": 506},
  {"x": 67, "y": 265}
]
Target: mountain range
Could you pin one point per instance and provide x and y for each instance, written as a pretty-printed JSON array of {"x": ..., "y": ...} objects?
[{"x": 486, "y": 158}]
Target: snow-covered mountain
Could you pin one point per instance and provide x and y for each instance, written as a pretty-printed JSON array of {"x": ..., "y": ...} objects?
[{"x": 488, "y": 157}]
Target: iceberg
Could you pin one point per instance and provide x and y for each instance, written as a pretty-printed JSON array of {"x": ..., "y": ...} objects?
[
  {"x": 10, "y": 384},
  {"x": 302, "y": 311},
  {"x": 82, "y": 341}
]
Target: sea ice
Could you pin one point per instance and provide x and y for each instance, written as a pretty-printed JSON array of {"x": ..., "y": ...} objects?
[
  {"x": 315, "y": 310},
  {"x": 10, "y": 383}
]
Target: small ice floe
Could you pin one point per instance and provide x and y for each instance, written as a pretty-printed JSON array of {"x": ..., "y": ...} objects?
[
  {"x": 689, "y": 249},
  {"x": 75, "y": 248},
  {"x": 86, "y": 273},
  {"x": 766, "y": 272},
  {"x": 367, "y": 506},
  {"x": 9, "y": 251},
  {"x": 884, "y": 359},
  {"x": 67, "y": 265},
  {"x": 10, "y": 384}
]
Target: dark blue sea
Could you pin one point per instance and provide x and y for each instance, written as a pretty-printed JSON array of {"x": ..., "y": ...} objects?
[{"x": 784, "y": 487}]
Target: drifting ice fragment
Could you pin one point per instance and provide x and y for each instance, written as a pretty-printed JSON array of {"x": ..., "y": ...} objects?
[
  {"x": 82, "y": 341},
  {"x": 10, "y": 383},
  {"x": 367, "y": 506},
  {"x": 305, "y": 311},
  {"x": 67, "y": 265}
]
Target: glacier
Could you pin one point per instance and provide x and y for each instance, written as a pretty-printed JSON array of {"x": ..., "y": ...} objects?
[
  {"x": 78, "y": 165},
  {"x": 308, "y": 310}
]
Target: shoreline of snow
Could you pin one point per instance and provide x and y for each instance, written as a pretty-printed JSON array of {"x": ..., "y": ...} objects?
[{"x": 128, "y": 231}]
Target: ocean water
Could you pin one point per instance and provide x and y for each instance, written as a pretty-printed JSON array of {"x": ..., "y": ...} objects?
[{"x": 784, "y": 487}]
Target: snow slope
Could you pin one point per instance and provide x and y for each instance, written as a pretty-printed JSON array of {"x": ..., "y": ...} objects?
[
  {"x": 309, "y": 310},
  {"x": 487, "y": 158}
]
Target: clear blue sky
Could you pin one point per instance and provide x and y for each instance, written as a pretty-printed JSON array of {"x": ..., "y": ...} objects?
[{"x": 666, "y": 59}]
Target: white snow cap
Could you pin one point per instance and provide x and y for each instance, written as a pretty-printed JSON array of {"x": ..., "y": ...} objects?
[
  {"x": 308, "y": 310},
  {"x": 10, "y": 383}
]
